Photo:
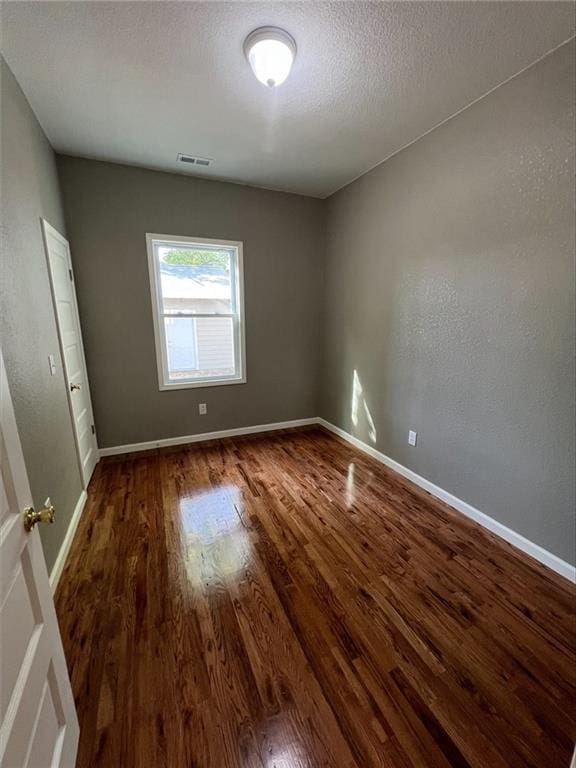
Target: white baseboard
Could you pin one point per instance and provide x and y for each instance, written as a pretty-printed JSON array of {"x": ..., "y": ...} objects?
[
  {"x": 203, "y": 437},
  {"x": 58, "y": 566},
  {"x": 516, "y": 539}
]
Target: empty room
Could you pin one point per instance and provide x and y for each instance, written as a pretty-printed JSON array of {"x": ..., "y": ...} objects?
[{"x": 287, "y": 384}]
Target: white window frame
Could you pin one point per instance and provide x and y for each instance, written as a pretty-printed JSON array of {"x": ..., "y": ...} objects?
[{"x": 164, "y": 381}]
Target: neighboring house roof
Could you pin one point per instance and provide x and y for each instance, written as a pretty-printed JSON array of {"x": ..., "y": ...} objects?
[{"x": 180, "y": 281}]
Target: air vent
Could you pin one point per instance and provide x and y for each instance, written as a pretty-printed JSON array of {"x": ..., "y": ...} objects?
[{"x": 191, "y": 160}]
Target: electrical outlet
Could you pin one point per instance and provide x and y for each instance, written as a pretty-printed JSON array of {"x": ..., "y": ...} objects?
[
  {"x": 48, "y": 503},
  {"x": 202, "y": 409},
  {"x": 412, "y": 437},
  {"x": 52, "y": 365}
]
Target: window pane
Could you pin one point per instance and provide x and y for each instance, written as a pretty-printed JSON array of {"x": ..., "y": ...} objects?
[
  {"x": 199, "y": 348},
  {"x": 181, "y": 345},
  {"x": 195, "y": 280}
]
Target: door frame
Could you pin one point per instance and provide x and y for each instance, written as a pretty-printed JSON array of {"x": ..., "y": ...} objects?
[{"x": 47, "y": 228}]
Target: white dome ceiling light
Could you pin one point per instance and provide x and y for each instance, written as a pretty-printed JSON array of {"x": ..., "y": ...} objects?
[{"x": 270, "y": 52}]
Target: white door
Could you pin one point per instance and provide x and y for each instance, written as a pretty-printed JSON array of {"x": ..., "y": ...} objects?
[
  {"x": 64, "y": 297},
  {"x": 38, "y": 723}
]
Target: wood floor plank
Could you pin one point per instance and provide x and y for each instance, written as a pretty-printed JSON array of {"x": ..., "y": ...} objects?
[{"x": 285, "y": 601}]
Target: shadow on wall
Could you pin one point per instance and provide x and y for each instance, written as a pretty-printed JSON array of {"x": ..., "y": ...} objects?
[{"x": 359, "y": 411}]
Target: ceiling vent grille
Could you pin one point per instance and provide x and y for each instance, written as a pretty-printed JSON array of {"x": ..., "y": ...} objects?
[{"x": 192, "y": 160}]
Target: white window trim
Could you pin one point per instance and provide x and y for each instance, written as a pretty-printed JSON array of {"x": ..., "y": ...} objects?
[{"x": 157, "y": 313}]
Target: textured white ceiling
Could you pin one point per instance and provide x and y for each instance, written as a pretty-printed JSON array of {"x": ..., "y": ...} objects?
[{"x": 138, "y": 82}]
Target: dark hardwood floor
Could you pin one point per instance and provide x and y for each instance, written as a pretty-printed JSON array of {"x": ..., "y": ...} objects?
[{"x": 284, "y": 601}]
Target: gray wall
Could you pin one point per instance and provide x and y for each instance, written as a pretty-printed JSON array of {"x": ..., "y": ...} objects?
[
  {"x": 450, "y": 291},
  {"x": 29, "y": 190},
  {"x": 109, "y": 209},
  {"x": 447, "y": 282}
]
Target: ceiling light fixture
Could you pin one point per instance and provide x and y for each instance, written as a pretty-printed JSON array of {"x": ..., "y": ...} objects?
[{"x": 270, "y": 52}]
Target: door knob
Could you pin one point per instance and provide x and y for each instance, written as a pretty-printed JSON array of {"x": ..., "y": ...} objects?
[
  {"x": 31, "y": 517},
  {"x": 74, "y": 386}
]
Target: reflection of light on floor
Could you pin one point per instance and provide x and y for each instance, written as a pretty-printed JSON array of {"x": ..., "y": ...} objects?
[
  {"x": 359, "y": 401},
  {"x": 287, "y": 760},
  {"x": 283, "y": 748},
  {"x": 350, "y": 495},
  {"x": 216, "y": 543}
]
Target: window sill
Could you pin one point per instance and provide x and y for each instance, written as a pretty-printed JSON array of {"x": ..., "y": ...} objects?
[{"x": 199, "y": 384}]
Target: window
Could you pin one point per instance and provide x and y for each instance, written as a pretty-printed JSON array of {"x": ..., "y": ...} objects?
[{"x": 198, "y": 307}]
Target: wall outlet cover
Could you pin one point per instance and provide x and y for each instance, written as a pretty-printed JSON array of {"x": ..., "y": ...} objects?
[
  {"x": 412, "y": 437},
  {"x": 202, "y": 409}
]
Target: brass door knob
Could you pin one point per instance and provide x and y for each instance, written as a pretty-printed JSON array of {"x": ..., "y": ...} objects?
[
  {"x": 74, "y": 386},
  {"x": 31, "y": 517}
]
